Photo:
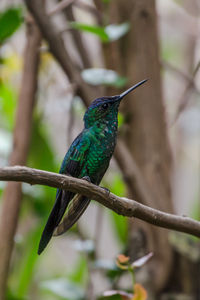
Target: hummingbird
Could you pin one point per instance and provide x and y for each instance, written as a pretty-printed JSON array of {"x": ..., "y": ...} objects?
[{"x": 88, "y": 158}]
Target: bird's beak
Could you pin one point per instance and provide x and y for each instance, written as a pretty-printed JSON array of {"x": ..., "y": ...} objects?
[{"x": 121, "y": 96}]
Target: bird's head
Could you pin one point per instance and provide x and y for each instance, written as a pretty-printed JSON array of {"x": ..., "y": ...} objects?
[{"x": 102, "y": 107}]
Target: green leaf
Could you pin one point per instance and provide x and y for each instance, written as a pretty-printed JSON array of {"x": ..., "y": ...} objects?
[
  {"x": 120, "y": 226},
  {"x": 11, "y": 296},
  {"x": 196, "y": 209},
  {"x": 109, "y": 33},
  {"x": 120, "y": 119},
  {"x": 117, "y": 186},
  {"x": 40, "y": 140},
  {"x": 98, "y": 76},
  {"x": 97, "y": 30},
  {"x": 116, "y": 31},
  {"x": 10, "y": 20},
  {"x": 63, "y": 288},
  {"x": 8, "y": 100},
  {"x": 120, "y": 223},
  {"x": 120, "y": 82}
]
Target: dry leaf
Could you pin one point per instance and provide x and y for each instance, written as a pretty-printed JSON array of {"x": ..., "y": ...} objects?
[
  {"x": 123, "y": 259},
  {"x": 139, "y": 292}
]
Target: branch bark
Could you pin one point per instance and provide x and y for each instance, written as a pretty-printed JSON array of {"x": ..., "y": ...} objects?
[
  {"x": 12, "y": 193},
  {"x": 123, "y": 206}
]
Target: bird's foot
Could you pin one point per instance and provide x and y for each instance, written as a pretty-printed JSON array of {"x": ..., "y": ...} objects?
[
  {"x": 107, "y": 190},
  {"x": 87, "y": 178}
]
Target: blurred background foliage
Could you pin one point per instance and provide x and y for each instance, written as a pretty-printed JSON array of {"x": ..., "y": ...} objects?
[{"x": 83, "y": 261}]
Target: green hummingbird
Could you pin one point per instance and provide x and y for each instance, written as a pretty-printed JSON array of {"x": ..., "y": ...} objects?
[{"x": 88, "y": 157}]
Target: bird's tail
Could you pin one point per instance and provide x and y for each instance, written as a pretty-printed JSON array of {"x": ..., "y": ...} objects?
[
  {"x": 62, "y": 200},
  {"x": 77, "y": 207}
]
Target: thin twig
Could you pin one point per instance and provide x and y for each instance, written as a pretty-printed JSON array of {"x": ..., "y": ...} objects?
[
  {"x": 91, "y": 9},
  {"x": 66, "y": 3},
  {"x": 132, "y": 174},
  {"x": 187, "y": 77},
  {"x": 123, "y": 206},
  {"x": 78, "y": 39},
  {"x": 58, "y": 49},
  {"x": 60, "y": 6},
  {"x": 184, "y": 99}
]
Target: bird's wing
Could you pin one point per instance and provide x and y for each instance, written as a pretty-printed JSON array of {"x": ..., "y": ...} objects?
[
  {"x": 76, "y": 208},
  {"x": 72, "y": 165}
]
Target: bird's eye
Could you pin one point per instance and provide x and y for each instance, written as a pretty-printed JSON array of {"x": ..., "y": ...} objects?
[{"x": 105, "y": 106}]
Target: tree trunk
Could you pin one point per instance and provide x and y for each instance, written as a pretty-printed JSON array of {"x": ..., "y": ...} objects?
[
  {"x": 13, "y": 194},
  {"x": 137, "y": 57}
]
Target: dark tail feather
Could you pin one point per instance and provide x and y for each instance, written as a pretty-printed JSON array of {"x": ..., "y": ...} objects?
[
  {"x": 76, "y": 209},
  {"x": 62, "y": 200}
]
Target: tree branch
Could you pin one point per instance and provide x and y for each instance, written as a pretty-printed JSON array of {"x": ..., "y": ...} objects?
[
  {"x": 123, "y": 206},
  {"x": 77, "y": 38},
  {"x": 58, "y": 49},
  {"x": 60, "y": 6},
  {"x": 184, "y": 99}
]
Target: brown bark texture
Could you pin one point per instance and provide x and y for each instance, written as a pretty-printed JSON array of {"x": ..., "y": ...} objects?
[
  {"x": 121, "y": 205},
  {"x": 137, "y": 57},
  {"x": 21, "y": 138}
]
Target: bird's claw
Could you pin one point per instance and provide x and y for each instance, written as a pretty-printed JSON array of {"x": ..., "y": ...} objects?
[
  {"x": 87, "y": 178},
  {"x": 106, "y": 189}
]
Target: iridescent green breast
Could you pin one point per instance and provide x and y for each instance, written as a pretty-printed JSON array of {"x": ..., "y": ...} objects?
[{"x": 100, "y": 151}]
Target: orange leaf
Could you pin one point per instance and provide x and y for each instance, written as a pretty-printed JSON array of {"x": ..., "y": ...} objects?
[
  {"x": 139, "y": 292},
  {"x": 123, "y": 259}
]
